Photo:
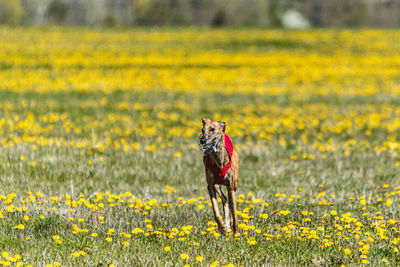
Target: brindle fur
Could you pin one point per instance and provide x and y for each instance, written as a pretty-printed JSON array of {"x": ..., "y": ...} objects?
[{"x": 231, "y": 180}]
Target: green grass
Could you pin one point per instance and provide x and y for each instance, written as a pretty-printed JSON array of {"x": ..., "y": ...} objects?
[{"x": 264, "y": 171}]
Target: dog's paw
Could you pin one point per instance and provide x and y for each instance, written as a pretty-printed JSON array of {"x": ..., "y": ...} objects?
[
  {"x": 221, "y": 225},
  {"x": 235, "y": 228},
  {"x": 222, "y": 228}
]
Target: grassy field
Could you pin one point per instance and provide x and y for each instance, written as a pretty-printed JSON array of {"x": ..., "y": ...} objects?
[{"x": 100, "y": 164}]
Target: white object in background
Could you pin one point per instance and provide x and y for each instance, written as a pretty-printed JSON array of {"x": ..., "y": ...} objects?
[{"x": 293, "y": 19}]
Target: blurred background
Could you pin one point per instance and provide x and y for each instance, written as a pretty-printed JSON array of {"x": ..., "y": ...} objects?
[{"x": 265, "y": 13}]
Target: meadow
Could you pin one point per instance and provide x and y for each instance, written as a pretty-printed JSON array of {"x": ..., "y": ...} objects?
[{"x": 100, "y": 163}]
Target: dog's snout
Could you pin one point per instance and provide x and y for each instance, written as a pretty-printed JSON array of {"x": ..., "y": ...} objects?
[{"x": 202, "y": 141}]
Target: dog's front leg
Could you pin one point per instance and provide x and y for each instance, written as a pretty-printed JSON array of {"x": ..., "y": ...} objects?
[
  {"x": 214, "y": 202},
  {"x": 225, "y": 205},
  {"x": 232, "y": 206}
]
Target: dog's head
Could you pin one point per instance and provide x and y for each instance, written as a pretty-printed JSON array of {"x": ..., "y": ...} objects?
[{"x": 212, "y": 132}]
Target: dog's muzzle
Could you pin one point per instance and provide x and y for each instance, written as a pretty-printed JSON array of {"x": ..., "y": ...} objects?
[
  {"x": 207, "y": 144},
  {"x": 203, "y": 139}
]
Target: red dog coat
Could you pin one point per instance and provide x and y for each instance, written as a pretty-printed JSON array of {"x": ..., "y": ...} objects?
[{"x": 219, "y": 173}]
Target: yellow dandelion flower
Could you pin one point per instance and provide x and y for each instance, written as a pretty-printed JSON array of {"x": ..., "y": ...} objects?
[
  {"x": 184, "y": 256},
  {"x": 199, "y": 258},
  {"x": 177, "y": 154},
  {"x": 20, "y": 227},
  {"x": 110, "y": 231},
  {"x": 10, "y": 208},
  {"x": 251, "y": 241}
]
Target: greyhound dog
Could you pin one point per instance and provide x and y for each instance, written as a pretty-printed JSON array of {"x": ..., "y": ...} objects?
[{"x": 221, "y": 162}]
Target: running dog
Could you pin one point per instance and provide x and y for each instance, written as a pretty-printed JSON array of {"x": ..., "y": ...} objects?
[{"x": 221, "y": 162}]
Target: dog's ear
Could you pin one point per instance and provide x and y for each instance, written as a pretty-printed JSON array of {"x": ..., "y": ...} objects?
[
  {"x": 223, "y": 125},
  {"x": 206, "y": 121}
]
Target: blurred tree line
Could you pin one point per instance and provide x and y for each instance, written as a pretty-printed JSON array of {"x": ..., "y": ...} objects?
[{"x": 319, "y": 13}]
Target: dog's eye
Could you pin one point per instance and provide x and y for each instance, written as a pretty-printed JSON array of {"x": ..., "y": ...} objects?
[
  {"x": 202, "y": 130},
  {"x": 212, "y": 129}
]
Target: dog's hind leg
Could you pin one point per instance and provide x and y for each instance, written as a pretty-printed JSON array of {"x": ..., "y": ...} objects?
[
  {"x": 214, "y": 202},
  {"x": 232, "y": 206},
  {"x": 225, "y": 204}
]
